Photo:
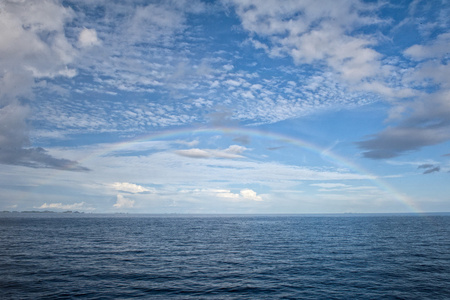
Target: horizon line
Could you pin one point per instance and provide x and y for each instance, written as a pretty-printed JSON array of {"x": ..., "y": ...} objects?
[{"x": 219, "y": 214}]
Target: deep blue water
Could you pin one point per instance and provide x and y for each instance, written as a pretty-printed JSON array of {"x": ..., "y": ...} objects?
[{"x": 56, "y": 256}]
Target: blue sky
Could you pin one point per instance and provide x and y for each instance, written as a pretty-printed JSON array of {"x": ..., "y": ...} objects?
[{"x": 225, "y": 106}]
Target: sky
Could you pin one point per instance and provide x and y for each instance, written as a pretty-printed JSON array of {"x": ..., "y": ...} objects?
[{"x": 233, "y": 106}]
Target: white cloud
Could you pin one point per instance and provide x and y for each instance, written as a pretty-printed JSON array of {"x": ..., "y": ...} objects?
[
  {"x": 123, "y": 202},
  {"x": 207, "y": 183},
  {"x": 234, "y": 151},
  {"x": 226, "y": 194},
  {"x": 194, "y": 153},
  {"x": 247, "y": 94},
  {"x": 223, "y": 193},
  {"x": 416, "y": 164},
  {"x": 344, "y": 188},
  {"x": 249, "y": 194},
  {"x": 228, "y": 67},
  {"x": 349, "y": 56},
  {"x": 330, "y": 185},
  {"x": 129, "y": 187},
  {"x": 122, "y": 63},
  {"x": 26, "y": 46},
  {"x": 33, "y": 47},
  {"x": 80, "y": 205},
  {"x": 187, "y": 143},
  {"x": 431, "y": 71},
  {"x": 200, "y": 102},
  {"x": 184, "y": 171},
  {"x": 321, "y": 34},
  {"x": 309, "y": 30},
  {"x": 233, "y": 83},
  {"x": 152, "y": 52},
  {"x": 431, "y": 67},
  {"x": 88, "y": 38},
  {"x": 437, "y": 48}
]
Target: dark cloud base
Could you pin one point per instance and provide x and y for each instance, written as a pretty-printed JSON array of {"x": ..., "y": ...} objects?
[
  {"x": 429, "y": 168},
  {"x": 432, "y": 170},
  {"x": 395, "y": 141},
  {"x": 37, "y": 158}
]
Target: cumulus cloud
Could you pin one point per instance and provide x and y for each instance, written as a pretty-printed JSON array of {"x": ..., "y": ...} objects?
[
  {"x": 129, "y": 187},
  {"x": 249, "y": 194},
  {"x": 234, "y": 151},
  {"x": 123, "y": 202},
  {"x": 88, "y": 38},
  {"x": 222, "y": 193},
  {"x": 33, "y": 38}
]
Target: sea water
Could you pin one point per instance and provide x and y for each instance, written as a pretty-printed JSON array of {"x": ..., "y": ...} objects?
[{"x": 63, "y": 256}]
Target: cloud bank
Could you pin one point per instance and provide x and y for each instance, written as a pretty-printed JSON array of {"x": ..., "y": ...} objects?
[
  {"x": 73, "y": 206},
  {"x": 33, "y": 47},
  {"x": 425, "y": 122}
]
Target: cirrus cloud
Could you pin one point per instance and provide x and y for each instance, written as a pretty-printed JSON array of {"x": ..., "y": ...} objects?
[{"x": 234, "y": 151}]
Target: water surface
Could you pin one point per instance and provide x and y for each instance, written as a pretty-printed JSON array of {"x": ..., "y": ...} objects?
[{"x": 224, "y": 257}]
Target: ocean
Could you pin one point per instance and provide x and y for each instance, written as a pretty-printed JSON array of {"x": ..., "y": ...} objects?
[{"x": 88, "y": 256}]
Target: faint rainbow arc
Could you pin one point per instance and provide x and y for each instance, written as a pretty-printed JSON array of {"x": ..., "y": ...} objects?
[{"x": 336, "y": 159}]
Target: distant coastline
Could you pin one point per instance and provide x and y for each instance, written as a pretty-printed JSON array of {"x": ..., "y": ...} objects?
[
  {"x": 346, "y": 214},
  {"x": 41, "y": 212}
]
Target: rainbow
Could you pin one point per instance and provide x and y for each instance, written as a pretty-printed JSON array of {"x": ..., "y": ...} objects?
[{"x": 252, "y": 132}]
